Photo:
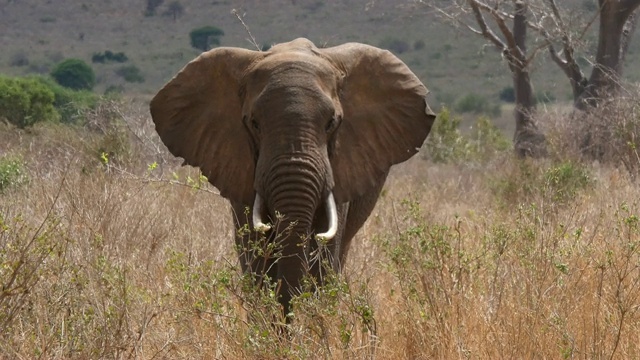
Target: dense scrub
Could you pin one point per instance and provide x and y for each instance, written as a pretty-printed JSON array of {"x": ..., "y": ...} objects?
[{"x": 109, "y": 249}]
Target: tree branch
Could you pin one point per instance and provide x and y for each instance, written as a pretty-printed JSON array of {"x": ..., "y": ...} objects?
[
  {"x": 456, "y": 20},
  {"x": 568, "y": 65},
  {"x": 485, "y": 30}
]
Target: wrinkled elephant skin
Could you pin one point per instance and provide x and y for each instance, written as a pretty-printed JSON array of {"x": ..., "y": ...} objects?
[{"x": 309, "y": 133}]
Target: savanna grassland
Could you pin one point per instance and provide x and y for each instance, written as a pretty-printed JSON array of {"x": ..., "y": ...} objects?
[{"x": 110, "y": 249}]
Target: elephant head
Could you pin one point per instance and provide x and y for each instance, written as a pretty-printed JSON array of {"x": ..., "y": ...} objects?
[{"x": 296, "y": 130}]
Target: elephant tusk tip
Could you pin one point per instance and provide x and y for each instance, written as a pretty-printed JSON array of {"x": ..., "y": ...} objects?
[{"x": 262, "y": 228}]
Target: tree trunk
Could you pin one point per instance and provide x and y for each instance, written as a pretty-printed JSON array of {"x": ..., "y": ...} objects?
[
  {"x": 616, "y": 27},
  {"x": 528, "y": 140}
]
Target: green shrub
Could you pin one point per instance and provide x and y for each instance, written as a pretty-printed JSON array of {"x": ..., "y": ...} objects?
[
  {"x": 12, "y": 173},
  {"x": 130, "y": 73},
  {"x": 532, "y": 182},
  {"x": 109, "y": 56},
  {"x": 14, "y": 102},
  {"x": 477, "y": 104},
  {"x": 488, "y": 140},
  {"x": 74, "y": 74},
  {"x": 564, "y": 180},
  {"x": 206, "y": 37},
  {"x": 70, "y": 104},
  {"x": 25, "y": 101},
  {"x": 112, "y": 90},
  {"x": 397, "y": 46},
  {"x": 446, "y": 144}
]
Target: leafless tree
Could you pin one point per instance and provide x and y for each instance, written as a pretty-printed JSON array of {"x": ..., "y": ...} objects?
[
  {"x": 512, "y": 19},
  {"x": 510, "y": 38},
  {"x": 616, "y": 26}
]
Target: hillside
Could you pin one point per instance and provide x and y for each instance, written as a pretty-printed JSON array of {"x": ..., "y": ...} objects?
[{"x": 36, "y": 34}]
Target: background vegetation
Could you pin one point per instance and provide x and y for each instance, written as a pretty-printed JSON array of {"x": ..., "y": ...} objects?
[
  {"x": 450, "y": 61},
  {"x": 110, "y": 249}
]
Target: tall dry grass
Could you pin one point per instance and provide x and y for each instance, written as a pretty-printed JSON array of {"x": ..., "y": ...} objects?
[{"x": 111, "y": 250}]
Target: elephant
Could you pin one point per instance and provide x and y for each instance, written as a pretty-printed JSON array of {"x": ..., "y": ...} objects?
[{"x": 298, "y": 133}]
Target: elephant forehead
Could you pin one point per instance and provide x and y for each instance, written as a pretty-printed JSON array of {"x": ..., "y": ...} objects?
[
  {"x": 307, "y": 96},
  {"x": 281, "y": 66},
  {"x": 282, "y": 77}
]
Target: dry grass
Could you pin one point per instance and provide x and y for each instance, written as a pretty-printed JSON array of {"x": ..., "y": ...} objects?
[{"x": 117, "y": 259}]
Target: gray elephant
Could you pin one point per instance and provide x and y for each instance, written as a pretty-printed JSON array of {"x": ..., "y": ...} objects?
[{"x": 309, "y": 133}]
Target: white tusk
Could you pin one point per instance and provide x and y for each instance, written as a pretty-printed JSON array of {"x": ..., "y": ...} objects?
[
  {"x": 332, "y": 213},
  {"x": 258, "y": 225}
]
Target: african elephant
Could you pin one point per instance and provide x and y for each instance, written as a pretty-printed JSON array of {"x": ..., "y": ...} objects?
[{"x": 307, "y": 132}]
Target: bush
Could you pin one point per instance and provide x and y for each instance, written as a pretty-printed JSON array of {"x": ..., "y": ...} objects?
[
  {"x": 152, "y": 5},
  {"x": 12, "y": 173},
  {"x": 109, "y": 56},
  {"x": 607, "y": 134},
  {"x": 25, "y": 101},
  {"x": 536, "y": 182},
  {"x": 488, "y": 140},
  {"x": 112, "y": 90},
  {"x": 206, "y": 37},
  {"x": 73, "y": 105},
  {"x": 130, "y": 73},
  {"x": 396, "y": 46},
  {"x": 446, "y": 144},
  {"x": 472, "y": 103},
  {"x": 74, "y": 74}
]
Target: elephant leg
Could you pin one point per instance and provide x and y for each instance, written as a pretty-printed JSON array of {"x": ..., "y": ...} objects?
[
  {"x": 359, "y": 210},
  {"x": 251, "y": 246}
]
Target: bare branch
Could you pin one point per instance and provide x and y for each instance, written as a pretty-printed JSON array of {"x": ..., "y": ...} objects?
[
  {"x": 541, "y": 46},
  {"x": 485, "y": 30},
  {"x": 252, "y": 39},
  {"x": 591, "y": 22},
  {"x": 511, "y": 43},
  {"x": 456, "y": 20}
]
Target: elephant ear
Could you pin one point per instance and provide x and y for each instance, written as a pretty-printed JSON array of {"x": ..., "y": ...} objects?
[
  {"x": 198, "y": 115},
  {"x": 385, "y": 117}
]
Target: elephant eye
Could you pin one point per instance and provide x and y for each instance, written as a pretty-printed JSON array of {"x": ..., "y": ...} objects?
[
  {"x": 255, "y": 125},
  {"x": 332, "y": 124}
]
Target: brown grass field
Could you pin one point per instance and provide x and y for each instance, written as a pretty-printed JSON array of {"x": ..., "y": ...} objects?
[{"x": 108, "y": 249}]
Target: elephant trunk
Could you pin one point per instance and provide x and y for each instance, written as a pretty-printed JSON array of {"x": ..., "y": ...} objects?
[{"x": 294, "y": 186}]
